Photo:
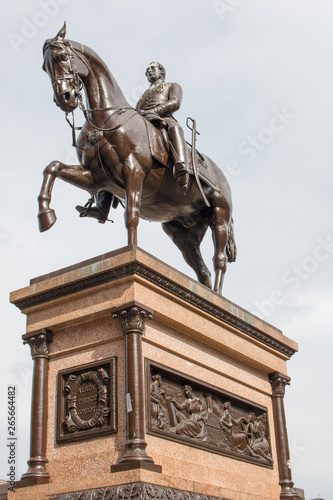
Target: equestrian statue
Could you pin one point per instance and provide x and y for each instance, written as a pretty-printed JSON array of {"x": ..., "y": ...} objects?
[{"x": 137, "y": 156}]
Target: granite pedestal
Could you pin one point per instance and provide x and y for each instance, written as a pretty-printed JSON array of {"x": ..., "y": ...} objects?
[{"x": 147, "y": 384}]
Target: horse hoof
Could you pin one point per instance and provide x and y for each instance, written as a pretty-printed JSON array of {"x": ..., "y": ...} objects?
[{"x": 46, "y": 220}]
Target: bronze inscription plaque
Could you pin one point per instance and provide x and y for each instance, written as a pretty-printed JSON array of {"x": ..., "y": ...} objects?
[
  {"x": 191, "y": 412},
  {"x": 87, "y": 400}
]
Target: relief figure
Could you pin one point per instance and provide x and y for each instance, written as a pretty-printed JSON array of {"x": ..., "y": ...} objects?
[
  {"x": 259, "y": 445},
  {"x": 159, "y": 410},
  {"x": 235, "y": 429},
  {"x": 206, "y": 418},
  {"x": 191, "y": 416}
]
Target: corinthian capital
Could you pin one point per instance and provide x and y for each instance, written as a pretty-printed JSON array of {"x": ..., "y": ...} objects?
[
  {"x": 278, "y": 382},
  {"x": 132, "y": 316},
  {"x": 38, "y": 342}
]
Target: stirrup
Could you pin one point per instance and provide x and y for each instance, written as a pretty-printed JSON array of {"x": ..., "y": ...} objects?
[{"x": 94, "y": 212}]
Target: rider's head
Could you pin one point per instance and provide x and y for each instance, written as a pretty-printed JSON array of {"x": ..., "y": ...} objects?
[{"x": 155, "y": 71}]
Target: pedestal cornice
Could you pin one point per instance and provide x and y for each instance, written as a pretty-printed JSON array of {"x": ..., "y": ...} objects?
[{"x": 132, "y": 262}]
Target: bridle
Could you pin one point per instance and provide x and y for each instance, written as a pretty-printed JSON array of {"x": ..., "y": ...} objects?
[{"x": 70, "y": 52}]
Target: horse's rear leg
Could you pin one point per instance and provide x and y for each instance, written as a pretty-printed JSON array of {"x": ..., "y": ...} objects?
[
  {"x": 74, "y": 174},
  {"x": 221, "y": 219},
  {"x": 188, "y": 241}
]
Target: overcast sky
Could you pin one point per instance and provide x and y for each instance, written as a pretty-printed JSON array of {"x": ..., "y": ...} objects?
[{"x": 257, "y": 76}]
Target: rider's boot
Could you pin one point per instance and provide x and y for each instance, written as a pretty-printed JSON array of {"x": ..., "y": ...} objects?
[
  {"x": 181, "y": 174},
  {"x": 100, "y": 211},
  {"x": 180, "y": 169}
]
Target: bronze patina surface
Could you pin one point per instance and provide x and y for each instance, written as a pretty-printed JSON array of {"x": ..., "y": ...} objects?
[
  {"x": 87, "y": 401},
  {"x": 278, "y": 382},
  {"x": 39, "y": 342},
  {"x": 115, "y": 156},
  {"x": 135, "y": 491},
  {"x": 191, "y": 412}
]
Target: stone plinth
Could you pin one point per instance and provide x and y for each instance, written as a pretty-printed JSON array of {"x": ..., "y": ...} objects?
[{"x": 115, "y": 341}]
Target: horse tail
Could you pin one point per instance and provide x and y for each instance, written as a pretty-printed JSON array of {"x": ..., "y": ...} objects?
[{"x": 231, "y": 244}]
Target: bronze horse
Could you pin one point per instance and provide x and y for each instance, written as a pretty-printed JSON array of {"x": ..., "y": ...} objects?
[{"x": 114, "y": 155}]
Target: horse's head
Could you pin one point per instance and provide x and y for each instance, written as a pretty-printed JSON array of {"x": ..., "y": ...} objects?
[{"x": 67, "y": 68}]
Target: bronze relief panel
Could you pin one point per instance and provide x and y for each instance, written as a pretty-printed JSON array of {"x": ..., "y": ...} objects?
[
  {"x": 87, "y": 400},
  {"x": 191, "y": 412}
]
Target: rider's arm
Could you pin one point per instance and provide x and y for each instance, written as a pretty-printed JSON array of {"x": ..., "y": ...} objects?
[
  {"x": 140, "y": 104},
  {"x": 173, "y": 103}
]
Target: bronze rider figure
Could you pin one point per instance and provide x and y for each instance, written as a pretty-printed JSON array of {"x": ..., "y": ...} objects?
[{"x": 156, "y": 104}]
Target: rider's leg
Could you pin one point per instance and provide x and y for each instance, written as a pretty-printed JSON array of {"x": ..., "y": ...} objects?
[
  {"x": 103, "y": 202},
  {"x": 179, "y": 151}
]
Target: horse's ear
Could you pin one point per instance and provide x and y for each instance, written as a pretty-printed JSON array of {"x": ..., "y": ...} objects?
[
  {"x": 62, "y": 33},
  {"x": 58, "y": 38}
]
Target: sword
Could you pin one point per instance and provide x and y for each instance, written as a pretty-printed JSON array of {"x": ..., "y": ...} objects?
[{"x": 194, "y": 140}]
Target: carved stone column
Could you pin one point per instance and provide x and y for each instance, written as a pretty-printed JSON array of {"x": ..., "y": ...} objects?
[
  {"x": 39, "y": 345},
  {"x": 133, "y": 317},
  {"x": 278, "y": 382}
]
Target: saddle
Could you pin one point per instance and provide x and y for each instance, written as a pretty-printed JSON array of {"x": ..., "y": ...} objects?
[
  {"x": 158, "y": 142},
  {"x": 160, "y": 150}
]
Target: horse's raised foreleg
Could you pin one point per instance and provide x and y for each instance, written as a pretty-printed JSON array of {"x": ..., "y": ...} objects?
[
  {"x": 188, "y": 241},
  {"x": 133, "y": 176},
  {"x": 74, "y": 174},
  {"x": 221, "y": 220}
]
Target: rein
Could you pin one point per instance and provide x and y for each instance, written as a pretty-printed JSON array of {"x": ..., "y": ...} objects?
[{"x": 118, "y": 111}]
